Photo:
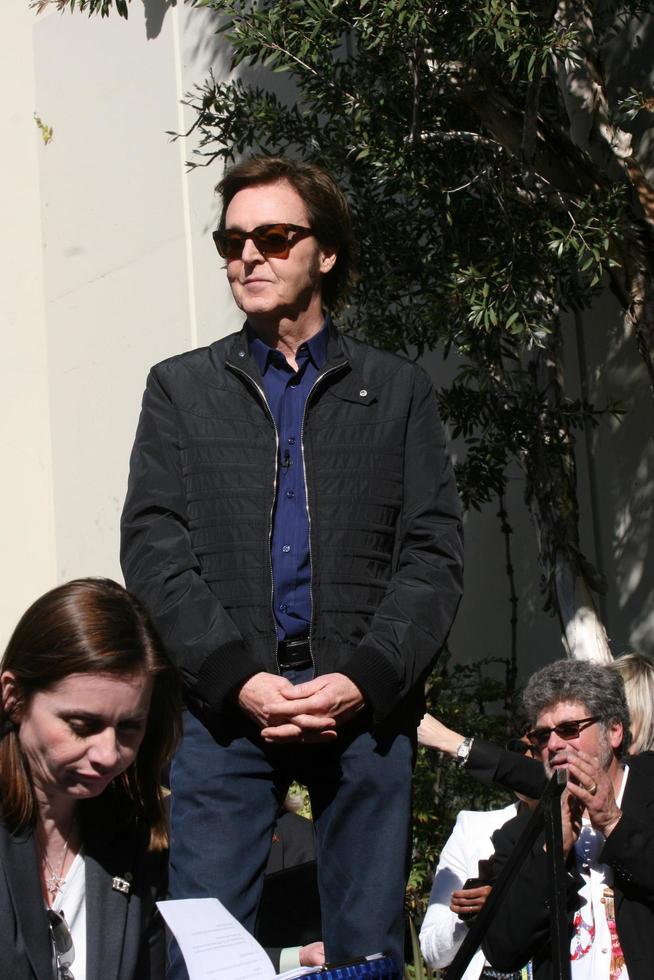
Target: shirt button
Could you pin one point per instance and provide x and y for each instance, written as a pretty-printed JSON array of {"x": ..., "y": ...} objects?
[
  {"x": 291, "y": 440},
  {"x": 241, "y": 353},
  {"x": 290, "y": 493},
  {"x": 286, "y": 548},
  {"x": 283, "y": 606}
]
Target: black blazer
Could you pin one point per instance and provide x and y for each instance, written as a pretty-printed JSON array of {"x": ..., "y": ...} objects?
[
  {"x": 124, "y": 933},
  {"x": 490, "y": 763},
  {"x": 520, "y": 929}
]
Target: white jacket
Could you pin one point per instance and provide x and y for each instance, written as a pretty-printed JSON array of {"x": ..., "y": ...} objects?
[{"x": 442, "y": 931}]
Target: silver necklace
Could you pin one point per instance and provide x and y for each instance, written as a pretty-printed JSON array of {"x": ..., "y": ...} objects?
[{"x": 54, "y": 881}]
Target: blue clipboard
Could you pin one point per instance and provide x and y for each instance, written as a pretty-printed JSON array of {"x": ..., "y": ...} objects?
[{"x": 378, "y": 969}]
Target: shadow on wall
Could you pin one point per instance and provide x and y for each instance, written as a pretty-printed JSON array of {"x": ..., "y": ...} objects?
[
  {"x": 155, "y": 11},
  {"x": 624, "y": 453},
  {"x": 628, "y": 65}
]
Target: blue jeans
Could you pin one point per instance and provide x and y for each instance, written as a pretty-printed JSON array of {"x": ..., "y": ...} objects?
[{"x": 225, "y": 796}]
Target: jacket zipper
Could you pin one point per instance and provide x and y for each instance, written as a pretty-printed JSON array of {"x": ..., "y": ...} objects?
[
  {"x": 264, "y": 400},
  {"x": 317, "y": 382}
]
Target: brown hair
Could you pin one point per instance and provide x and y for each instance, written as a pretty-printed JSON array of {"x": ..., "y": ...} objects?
[
  {"x": 90, "y": 626},
  {"x": 327, "y": 210}
]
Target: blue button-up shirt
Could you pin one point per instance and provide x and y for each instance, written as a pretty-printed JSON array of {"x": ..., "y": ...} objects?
[{"x": 287, "y": 391}]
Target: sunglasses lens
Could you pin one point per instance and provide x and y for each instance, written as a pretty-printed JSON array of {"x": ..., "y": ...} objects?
[
  {"x": 272, "y": 241},
  {"x": 567, "y": 730},
  {"x": 61, "y": 940},
  {"x": 230, "y": 246}
]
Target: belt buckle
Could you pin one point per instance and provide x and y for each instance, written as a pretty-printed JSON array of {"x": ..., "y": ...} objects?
[{"x": 294, "y": 652}]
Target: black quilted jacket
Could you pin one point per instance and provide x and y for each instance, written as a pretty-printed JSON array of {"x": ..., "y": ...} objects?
[{"x": 385, "y": 531}]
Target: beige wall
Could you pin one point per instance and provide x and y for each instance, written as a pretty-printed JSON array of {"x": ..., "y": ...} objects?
[
  {"x": 27, "y": 535},
  {"x": 107, "y": 267}
]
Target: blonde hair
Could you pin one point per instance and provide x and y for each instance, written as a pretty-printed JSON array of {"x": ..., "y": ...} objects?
[{"x": 637, "y": 672}]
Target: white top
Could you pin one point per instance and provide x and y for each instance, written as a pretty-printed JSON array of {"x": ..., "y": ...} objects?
[
  {"x": 591, "y": 953},
  {"x": 71, "y": 903},
  {"x": 442, "y": 930}
]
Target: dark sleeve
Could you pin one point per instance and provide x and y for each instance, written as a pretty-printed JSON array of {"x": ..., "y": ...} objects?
[
  {"x": 413, "y": 620},
  {"x": 629, "y": 849},
  {"x": 520, "y": 929},
  {"x": 274, "y": 953},
  {"x": 490, "y": 763},
  {"x": 160, "y": 565}
]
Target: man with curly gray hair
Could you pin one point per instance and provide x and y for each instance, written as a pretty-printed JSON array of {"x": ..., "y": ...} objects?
[
  {"x": 580, "y": 723},
  {"x": 580, "y": 682}
]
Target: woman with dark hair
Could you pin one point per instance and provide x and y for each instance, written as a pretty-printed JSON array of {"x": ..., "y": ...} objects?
[{"x": 89, "y": 714}]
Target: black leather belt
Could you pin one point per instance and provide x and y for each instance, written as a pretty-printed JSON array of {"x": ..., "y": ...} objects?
[{"x": 294, "y": 653}]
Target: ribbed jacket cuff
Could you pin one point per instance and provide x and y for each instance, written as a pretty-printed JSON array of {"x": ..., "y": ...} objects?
[
  {"x": 221, "y": 673},
  {"x": 371, "y": 671}
]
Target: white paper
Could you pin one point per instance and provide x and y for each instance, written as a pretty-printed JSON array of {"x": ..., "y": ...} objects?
[{"x": 213, "y": 943}]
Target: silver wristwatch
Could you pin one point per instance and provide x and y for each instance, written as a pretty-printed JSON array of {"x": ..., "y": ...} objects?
[{"x": 463, "y": 752}]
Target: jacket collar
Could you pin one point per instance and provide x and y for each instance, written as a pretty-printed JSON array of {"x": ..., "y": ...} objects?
[
  {"x": 344, "y": 360},
  {"x": 263, "y": 354},
  {"x": 19, "y": 860},
  {"x": 237, "y": 344}
]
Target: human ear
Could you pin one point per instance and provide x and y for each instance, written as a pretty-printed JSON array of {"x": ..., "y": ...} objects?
[
  {"x": 10, "y": 694},
  {"x": 327, "y": 260},
  {"x": 616, "y": 734}
]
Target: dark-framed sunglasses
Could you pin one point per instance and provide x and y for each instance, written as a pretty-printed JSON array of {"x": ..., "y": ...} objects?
[
  {"x": 520, "y": 746},
  {"x": 567, "y": 730},
  {"x": 274, "y": 240},
  {"x": 62, "y": 945}
]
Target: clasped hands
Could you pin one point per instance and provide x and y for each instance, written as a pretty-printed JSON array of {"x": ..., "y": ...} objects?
[{"x": 309, "y": 712}]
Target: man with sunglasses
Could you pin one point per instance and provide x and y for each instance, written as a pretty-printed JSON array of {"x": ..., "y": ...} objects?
[
  {"x": 581, "y": 724},
  {"x": 293, "y": 524}
]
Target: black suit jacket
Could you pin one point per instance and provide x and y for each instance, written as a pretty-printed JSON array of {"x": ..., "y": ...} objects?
[
  {"x": 289, "y": 910},
  {"x": 124, "y": 933},
  {"x": 520, "y": 929}
]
